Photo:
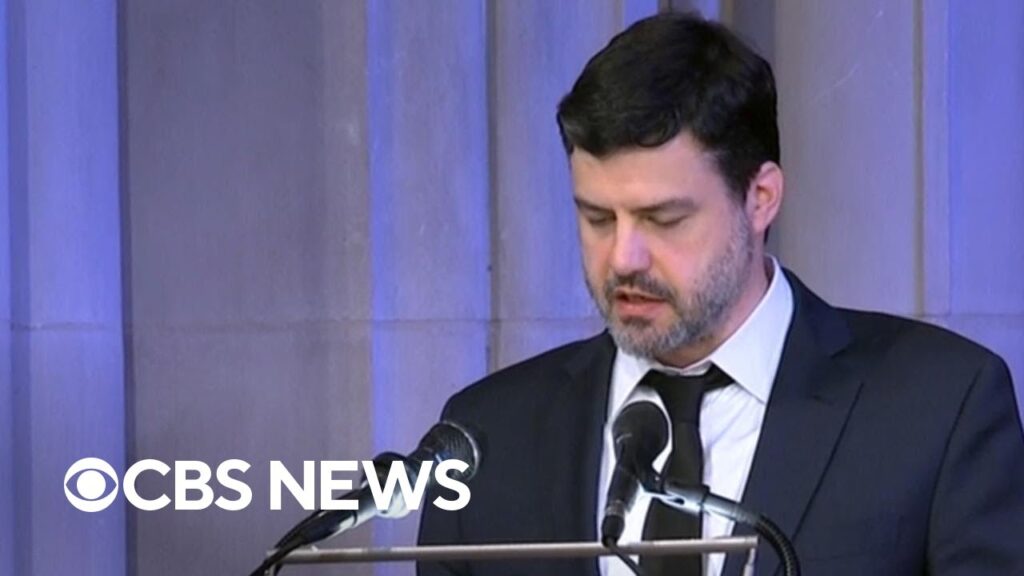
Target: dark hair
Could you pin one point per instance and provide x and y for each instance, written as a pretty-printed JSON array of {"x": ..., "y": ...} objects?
[{"x": 674, "y": 72}]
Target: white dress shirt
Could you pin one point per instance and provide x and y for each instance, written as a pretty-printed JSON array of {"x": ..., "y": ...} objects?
[{"x": 730, "y": 417}]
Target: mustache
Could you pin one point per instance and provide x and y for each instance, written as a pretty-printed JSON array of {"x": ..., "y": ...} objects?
[{"x": 641, "y": 282}]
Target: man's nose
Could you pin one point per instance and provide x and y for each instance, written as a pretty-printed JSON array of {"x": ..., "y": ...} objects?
[{"x": 631, "y": 253}]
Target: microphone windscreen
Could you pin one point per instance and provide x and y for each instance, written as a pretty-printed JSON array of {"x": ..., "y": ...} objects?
[
  {"x": 641, "y": 429},
  {"x": 450, "y": 440}
]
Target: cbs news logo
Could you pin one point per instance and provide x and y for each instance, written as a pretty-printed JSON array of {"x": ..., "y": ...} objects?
[{"x": 91, "y": 484}]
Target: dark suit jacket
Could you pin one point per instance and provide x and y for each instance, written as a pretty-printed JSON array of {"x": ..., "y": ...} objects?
[{"x": 889, "y": 447}]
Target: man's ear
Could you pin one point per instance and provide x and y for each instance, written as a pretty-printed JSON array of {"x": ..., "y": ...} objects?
[{"x": 764, "y": 197}]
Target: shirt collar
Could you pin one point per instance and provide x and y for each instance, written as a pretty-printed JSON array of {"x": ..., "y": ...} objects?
[{"x": 750, "y": 355}]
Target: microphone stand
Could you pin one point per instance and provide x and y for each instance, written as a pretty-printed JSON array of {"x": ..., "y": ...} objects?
[
  {"x": 314, "y": 527},
  {"x": 697, "y": 500}
]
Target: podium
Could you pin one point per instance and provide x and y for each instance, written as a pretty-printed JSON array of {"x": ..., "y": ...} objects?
[{"x": 524, "y": 551}]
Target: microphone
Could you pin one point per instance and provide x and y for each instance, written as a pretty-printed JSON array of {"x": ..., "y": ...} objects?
[
  {"x": 639, "y": 434},
  {"x": 696, "y": 500},
  {"x": 444, "y": 441}
]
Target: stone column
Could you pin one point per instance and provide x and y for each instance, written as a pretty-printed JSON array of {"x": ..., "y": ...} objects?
[
  {"x": 540, "y": 298},
  {"x": 64, "y": 334},
  {"x": 428, "y": 210},
  {"x": 848, "y": 100},
  {"x": 903, "y": 152},
  {"x": 982, "y": 272}
]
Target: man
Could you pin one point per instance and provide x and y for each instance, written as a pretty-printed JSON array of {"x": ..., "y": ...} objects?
[{"x": 880, "y": 446}]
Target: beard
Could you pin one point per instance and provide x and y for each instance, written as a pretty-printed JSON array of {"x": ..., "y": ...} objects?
[{"x": 695, "y": 315}]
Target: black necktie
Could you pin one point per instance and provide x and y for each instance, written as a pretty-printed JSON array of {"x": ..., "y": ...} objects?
[{"x": 682, "y": 396}]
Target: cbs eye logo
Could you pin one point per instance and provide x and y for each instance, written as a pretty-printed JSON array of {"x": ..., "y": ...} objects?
[{"x": 90, "y": 484}]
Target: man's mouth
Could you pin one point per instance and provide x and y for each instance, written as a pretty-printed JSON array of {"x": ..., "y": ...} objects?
[
  {"x": 636, "y": 297},
  {"x": 636, "y": 304}
]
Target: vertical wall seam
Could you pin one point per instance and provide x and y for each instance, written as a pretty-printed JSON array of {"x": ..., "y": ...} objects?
[
  {"x": 932, "y": 169},
  {"x": 127, "y": 315},
  {"x": 727, "y": 12},
  {"x": 494, "y": 323},
  {"x": 921, "y": 269},
  {"x": 372, "y": 243}
]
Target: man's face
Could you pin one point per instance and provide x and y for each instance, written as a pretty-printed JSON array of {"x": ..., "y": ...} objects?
[{"x": 667, "y": 249}]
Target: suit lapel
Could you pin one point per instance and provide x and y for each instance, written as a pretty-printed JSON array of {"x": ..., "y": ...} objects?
[
  {"x": 575, "y": 419},
  {"x": 809, "y": 404}
]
